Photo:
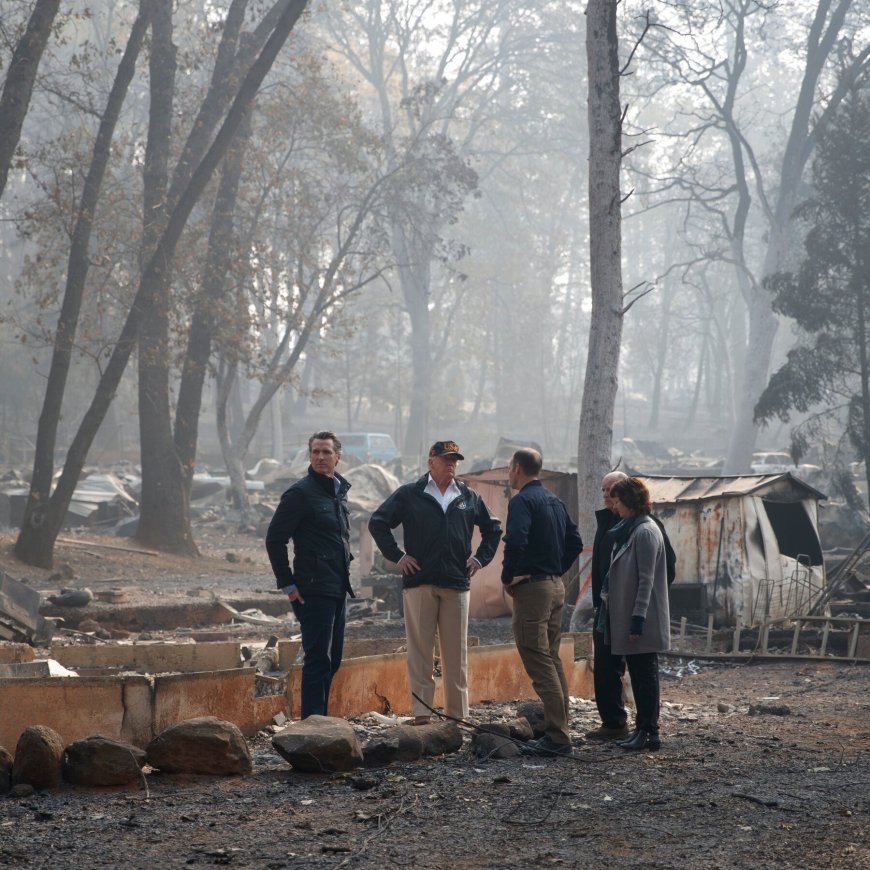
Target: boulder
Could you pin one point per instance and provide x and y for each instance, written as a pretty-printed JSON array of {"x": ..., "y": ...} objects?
[
  {"x": 381, "y": 751},
  {"x": 5, "y": 771},
  {"x": 499, "y": 739},
  {"x": 99, "y": 761},
  {"x": 203, "y": 745},
  {"x": 319, "y": 744},
  {"x": 519, "y": 728},
  {"x": 533, "y": 711},
  {"x": 38, "y": 758},
  {"x": 399, "y": 743},
  {"x": 440, "y": 738}
]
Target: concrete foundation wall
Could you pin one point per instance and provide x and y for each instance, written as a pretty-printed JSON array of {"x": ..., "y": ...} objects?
[
  {"x": 77, "y": 707},
  {"x": 152, "y": 657},
  {"x": 226, "y": 694},
  {"x": 15, "y": 653},
  {"x": 495, "y": 673},
  {"x": 135, "y": 708}
]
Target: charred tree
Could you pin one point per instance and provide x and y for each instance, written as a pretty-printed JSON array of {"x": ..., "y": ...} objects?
[
  {"x": 67, "y": 325},
  {"x": 605, "y": 258},
  {"x": 36, "y": 541},
  {"x": 163, "y": 521},
  {"x": 18, "y": 86}
]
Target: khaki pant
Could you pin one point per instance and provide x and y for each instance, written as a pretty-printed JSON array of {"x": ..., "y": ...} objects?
[
  {"x": 427, "y": 609},
  {"x": 537, "y": 624}
]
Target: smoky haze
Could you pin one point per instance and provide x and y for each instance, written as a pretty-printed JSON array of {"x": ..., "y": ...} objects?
[{"x": 396, "y": 238}]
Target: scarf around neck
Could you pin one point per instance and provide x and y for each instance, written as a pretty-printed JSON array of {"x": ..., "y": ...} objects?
[{"x": 621, "y": 532}]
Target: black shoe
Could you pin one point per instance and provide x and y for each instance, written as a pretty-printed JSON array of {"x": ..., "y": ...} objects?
[
  {"x": 545, "y": 746},
  {"x": 628, "y": 738},
  {"x": 642, "y": 740}
]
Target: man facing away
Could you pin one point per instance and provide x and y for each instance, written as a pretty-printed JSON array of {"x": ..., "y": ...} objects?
[
  {"x": 313, "y": 513},
  {"x": 438, "y": 514},
  {"x": 609, "y": 669},
  {"x": 540, "y": 544}
]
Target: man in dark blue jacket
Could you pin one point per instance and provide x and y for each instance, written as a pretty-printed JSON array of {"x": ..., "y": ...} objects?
[
  {"x": 313, "y": 514},
  {"x": 540, "y": 544},
  {"x": 438, "y": 514}
]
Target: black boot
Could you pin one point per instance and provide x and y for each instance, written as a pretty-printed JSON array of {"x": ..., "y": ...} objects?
[
  {"x": 642, "y": 740},
  {"x": 629, "y": 738}
]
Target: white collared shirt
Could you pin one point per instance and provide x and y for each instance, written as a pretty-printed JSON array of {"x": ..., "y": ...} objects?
[{"x": 444, "y": 499}]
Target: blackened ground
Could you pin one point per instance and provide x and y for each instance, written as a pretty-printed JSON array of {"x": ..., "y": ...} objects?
[{"x": 727, "y": 790}]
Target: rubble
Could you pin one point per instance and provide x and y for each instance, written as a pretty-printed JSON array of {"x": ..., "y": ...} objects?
[
  {"x": 72, "y": 598},
  {"x": 20, "y": 619}
]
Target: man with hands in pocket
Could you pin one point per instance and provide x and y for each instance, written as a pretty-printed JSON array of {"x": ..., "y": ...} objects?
[{"x": 313, "y": 513}]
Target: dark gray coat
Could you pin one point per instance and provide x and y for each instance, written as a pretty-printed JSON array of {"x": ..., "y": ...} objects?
[{"x": 638, "y": 586}]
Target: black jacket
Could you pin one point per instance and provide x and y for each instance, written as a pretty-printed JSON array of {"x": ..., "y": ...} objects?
[
  {"x": 601, "y": 547},
  {"x": 540, "y": 536},
  {"x": 439, "y": 541},
  {"x": 317, "y": 520}
]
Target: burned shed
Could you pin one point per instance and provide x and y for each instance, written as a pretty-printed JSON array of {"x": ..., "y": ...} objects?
[{"x": 747, "y": 547}]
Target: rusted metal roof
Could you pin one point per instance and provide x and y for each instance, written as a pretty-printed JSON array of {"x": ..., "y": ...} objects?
[
  {"x": 675, "y": 489},
  {"x": 681, "y": 489}
]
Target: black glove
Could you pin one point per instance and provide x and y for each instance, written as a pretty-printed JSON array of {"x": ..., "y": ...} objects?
[{"x": 636, "y": 626}]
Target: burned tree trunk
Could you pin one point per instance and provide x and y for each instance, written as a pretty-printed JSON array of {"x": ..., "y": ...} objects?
[
  {"x": 36, "y": 552},
  {"x": 19, "y": 81},
  {"x": 164, "y": 521},
  {"x": 35, "y": 544},
  {"x": 605, "y": 249}
]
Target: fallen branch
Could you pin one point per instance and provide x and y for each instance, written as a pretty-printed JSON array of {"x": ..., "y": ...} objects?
[
  {"x": 764, "y": 802},
  {"x": 108, "y": 547}
]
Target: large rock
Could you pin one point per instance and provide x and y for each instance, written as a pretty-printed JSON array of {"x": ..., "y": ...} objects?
[
  {"x": 533, "y": 711},
  {"x": 440, "y": 738},
  {"x": 519, "y": 728},
  {"x": 98, "y": 761},
  {"x": 5, "y": 771},
  {"x": 203, "y": 745},
  {"x": 399, "y": 743},
  {"x": 497, "y": 740},
  {"x": 410, "y": 742},
  {"x": 319, "y": 744},
  {"x": 38, "y": 757}
]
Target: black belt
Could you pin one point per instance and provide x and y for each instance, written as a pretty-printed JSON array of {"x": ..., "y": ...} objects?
[{"x": 535, "y": 578}]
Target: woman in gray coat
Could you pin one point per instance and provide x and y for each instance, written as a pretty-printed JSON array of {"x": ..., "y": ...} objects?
[{"x": 636, "y": 619}]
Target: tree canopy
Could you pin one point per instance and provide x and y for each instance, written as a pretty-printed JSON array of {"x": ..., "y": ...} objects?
[{"x": 828, "y": 295}]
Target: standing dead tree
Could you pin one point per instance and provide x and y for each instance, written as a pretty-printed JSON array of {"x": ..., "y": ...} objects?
[
  {"x": 605, "y": 256},
  {"x": 18, "y": 86}
]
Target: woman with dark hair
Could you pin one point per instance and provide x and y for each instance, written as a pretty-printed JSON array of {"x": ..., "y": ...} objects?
[{"x": 634, "y": 615}]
